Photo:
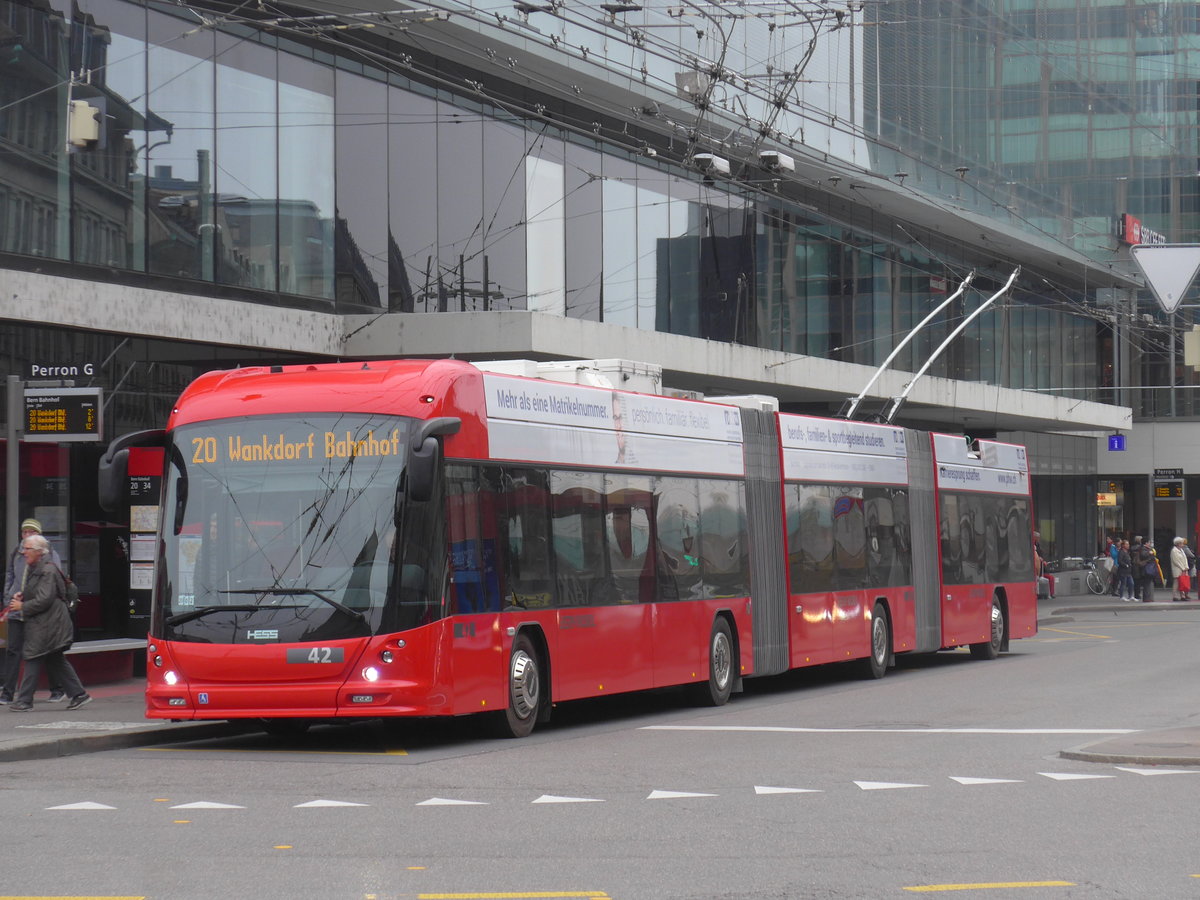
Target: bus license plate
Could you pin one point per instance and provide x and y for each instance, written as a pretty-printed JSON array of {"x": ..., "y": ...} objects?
[{"x": 315, "y": 654}]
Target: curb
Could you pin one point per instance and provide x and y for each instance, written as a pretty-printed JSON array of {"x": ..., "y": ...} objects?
[
  {"x": 1133, "y": 759},
  {"x": 121, "y": 740}
]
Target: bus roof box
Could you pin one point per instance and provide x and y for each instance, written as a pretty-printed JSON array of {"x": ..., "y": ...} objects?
[
  {"x": 625, "y": 374},
  {"x": 605, "y": 373},
  {"x": 761, "y": 402}
]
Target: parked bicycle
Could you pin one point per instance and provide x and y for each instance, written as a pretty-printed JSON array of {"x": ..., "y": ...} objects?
[{"x": 1097, "y": 575}]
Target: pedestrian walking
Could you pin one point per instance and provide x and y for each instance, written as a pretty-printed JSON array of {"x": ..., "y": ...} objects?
[
  {"x": 1181, "y": 579},
  {"x": 14, "y": 575},
  {"x": 49, "y": 631}
]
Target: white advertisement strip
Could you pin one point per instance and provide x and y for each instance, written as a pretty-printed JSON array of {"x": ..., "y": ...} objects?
[
  {"x": 843, "y": 468},
  {"x": 841, "y": 436},
  {"x": 557, "y": 403},
  {"x": 979, "y": 478},
  {"x": 1003, "y": 456},
  {"x": 535, "y": 442}
]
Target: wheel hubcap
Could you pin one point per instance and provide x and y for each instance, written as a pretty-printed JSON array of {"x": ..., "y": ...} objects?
[
  {"x": 524, "y": 687},
  {"x": 997, "y": 625},
  {"x": 879, "y": 639},
  {"x": 722, "y": 660}
]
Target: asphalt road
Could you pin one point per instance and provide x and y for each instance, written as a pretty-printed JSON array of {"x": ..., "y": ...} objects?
[{"x": 945, "y": 777}]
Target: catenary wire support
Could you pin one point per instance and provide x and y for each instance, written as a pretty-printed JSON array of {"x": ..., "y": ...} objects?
[
  {"x": 899, "y": 401},
  {"x": 848, "y": 413}
]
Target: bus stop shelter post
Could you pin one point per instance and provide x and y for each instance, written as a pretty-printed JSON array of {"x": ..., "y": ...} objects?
[{"x": 12, "y": 471}]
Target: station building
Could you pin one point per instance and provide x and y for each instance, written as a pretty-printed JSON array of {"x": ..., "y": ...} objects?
[{"x": 758, "y": 197}]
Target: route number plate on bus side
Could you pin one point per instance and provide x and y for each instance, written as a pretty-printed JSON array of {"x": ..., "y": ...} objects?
[{"x": 314, "y": 655}]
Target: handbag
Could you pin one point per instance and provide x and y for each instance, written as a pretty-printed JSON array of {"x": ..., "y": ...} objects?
[{"x": 70, "y": 592}]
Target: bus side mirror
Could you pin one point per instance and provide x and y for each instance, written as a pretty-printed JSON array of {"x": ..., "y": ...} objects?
[
  {"x": 422, "y": 470},
  {"x": 113, "y": 470},
  {"x": 113, "y": 485},
  {"x": 426, "y": 454}
]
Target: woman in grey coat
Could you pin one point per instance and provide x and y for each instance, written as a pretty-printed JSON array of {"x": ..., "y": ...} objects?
[{"x": 48, "y": 628}]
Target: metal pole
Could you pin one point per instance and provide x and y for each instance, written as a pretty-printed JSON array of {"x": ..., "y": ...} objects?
[
  {"x": 849, "y": 414},
  {"x": 899, "y": 401},
  {"x": 12, "y": 472}
]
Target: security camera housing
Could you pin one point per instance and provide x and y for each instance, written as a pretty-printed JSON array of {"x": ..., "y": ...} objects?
[
  {"x": 776, "y": 161},
  {"x": 711, "y": 163}
]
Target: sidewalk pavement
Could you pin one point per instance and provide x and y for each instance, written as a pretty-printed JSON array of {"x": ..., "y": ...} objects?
[{"x": 115, "y": 717}]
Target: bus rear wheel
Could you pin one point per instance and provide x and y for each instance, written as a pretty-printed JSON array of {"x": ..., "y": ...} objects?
[
  {"x": 524, "y": 690},
  {"x": 722, "y": 667},
  {"x": 991, "y": 649}
]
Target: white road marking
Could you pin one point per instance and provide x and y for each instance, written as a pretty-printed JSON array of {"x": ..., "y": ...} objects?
[
  {"x": 442, "y": 801},
  {"x": 1072, "y": 776},
  {"x": 550, "y": 798},
  {"x": 886, "y": 785},
  {"x": 779, "y": 729},
  {"x": 315, "y": 804},
  {"x": 1139, "y": 771},
  {"x": 206, "y": 804},
  {"x": 85, "y": 805},
  {"x": 674, "y": 795},
  {"x": 968, "y": 780},
  {"x": 759, "y": 789}
]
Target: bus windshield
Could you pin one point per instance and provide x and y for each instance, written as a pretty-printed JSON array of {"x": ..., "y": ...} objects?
[{"x": 284, "y": 529}]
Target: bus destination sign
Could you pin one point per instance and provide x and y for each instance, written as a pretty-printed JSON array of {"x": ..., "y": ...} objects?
[{"x": 63, "y": 414}]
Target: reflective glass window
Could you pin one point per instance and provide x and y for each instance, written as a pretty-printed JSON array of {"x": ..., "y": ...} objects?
[
  {"x": 678, "y": 528},
  {"x": 583, "y": 232},
  {"x": 620, "y": 243},
  {"x": 628, "y": 532},
  {"x": 724, "y": 550},
  {"x": 503, "y": 277},
  {"x": 544, "y": 233},
  {"x": 180, "y": 214},
  {"x": 413, "y": 202},
  {"x": 306, "y": 177},
  {"x": 245, "y": 241},
  {"x": 459, "y": 203},
  {"x": 578, "y": 534},
  {"x": 361, "y": 253}
]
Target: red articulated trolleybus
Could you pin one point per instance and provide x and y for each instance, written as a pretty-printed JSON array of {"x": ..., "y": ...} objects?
[{"x": 424, "y": 538}]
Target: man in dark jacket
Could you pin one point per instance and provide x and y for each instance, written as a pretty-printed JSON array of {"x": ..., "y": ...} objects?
[
  {"x": 14, "y": 574},
  {"x": 48, "y": 628}
]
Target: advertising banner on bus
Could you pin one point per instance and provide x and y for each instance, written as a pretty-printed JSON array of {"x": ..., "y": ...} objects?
[{"x": 842, "y": 452}]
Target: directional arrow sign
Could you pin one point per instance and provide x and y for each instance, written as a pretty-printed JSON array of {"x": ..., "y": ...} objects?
[{"x": 1170, "y": 270}]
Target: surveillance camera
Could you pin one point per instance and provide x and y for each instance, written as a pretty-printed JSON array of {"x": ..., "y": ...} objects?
[
  {"x": 779, "y": 162},
  {"x": 711, "y": 163}
]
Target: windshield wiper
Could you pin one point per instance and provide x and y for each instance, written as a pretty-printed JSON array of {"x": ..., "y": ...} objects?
[
  {"x": 297, "y": 592},
  {"x": 205, "y": 610}
]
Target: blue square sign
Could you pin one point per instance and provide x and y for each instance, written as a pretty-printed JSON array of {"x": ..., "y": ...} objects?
[{"x": 1116, "y": 442}]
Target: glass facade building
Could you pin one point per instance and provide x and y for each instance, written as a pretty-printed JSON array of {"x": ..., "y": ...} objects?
[{"x": 609, "y": 166}]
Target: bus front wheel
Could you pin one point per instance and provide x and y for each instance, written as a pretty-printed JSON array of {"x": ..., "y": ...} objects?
[
  {"x": 722, "y": 667},
  {"x": 524, "y": 690},
  {"x": 991, "y": 649}
]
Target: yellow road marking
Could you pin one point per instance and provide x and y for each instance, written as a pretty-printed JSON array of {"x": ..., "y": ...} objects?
[
  {"x": 1076, "y": 633},
  {"x": 517, "y": 895},
  {"x": 932, "y": 888},
  {"x": 23, "y": 897}
]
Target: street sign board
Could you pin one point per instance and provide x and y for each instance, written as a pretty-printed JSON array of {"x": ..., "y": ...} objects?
[{"x": 1170, "y": 270}]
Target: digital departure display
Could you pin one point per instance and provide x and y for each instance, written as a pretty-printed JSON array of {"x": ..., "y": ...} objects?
[{"x": 63, "y": 414}]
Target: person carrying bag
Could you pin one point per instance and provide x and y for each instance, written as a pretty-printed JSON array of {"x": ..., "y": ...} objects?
[{"x": 49, "y": 631}]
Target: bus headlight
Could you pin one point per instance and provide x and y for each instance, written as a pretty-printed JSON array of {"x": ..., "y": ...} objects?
[
  {"x": 170, "y": 677},
  {"x": 370, "y": 673}
]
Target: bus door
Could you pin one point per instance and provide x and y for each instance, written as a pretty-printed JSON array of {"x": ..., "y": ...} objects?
[
  {"x": 602, "y": 585},
  {"x": 851, "y": 627},
  {"x": 809, "y": 512}
]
